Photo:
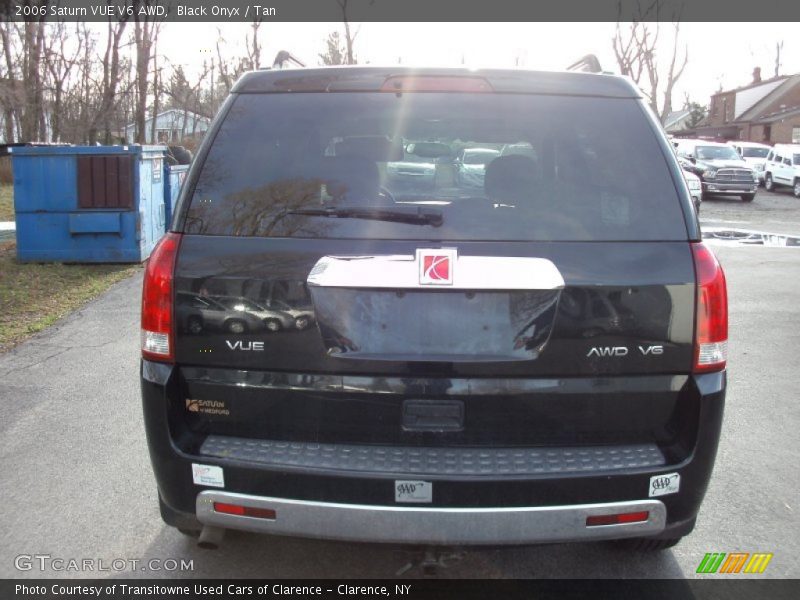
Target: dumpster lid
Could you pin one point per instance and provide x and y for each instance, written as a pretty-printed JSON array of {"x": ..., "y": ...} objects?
[
  {"x": 65, "y": 149},
  {"x": 6, "y": 149}
]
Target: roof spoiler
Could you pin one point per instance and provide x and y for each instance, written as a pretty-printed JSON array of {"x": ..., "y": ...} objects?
[
  {"x": 586, "y": 64},
  {"x": 283, "y": 57}
]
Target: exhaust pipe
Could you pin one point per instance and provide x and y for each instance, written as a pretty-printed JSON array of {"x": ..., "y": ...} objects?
[{"x": 210, "y": 537}]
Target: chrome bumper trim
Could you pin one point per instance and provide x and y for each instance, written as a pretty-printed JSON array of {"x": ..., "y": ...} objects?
[{"x": 430, "y": 525}]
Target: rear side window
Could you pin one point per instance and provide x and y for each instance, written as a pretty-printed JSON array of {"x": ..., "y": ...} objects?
[
  {"x": 755, "y": 152},
  {"x": 476, "y": 166}
]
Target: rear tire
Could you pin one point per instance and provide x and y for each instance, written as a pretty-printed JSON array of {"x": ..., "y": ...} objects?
[
  {"x": 769, "y": 185},
  {"x": 301, "y": 323},
  {"x": 648, "y": 544},
  {"x": 796, "y": 188},
  {"x": 748, "y": 197}
]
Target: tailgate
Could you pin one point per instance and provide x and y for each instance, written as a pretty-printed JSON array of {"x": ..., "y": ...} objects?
[
  {"x": 604, "y": 358},
  {"x": 623, "y": 308}
]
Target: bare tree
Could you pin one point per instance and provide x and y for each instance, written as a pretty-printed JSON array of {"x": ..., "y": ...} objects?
[
  {"x": 674, "y": 72},
  {"x": 33, "y": 125},
  {"x": 111, "y": 79},
  {"x": 11, "y": 88},
  {"x": 145, "y": 35},
  {"x": 254, "y": 46},
  {"x": 635, "y": 48},
  {"x": 230, "y": 69},
  {"x": 190, "y": 98},
  {"x": 349, "y": 35},
  {"x": 59, "y": 66},
  {"x": 778, "y": 51}
]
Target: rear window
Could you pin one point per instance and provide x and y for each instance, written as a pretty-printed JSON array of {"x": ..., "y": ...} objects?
[
  {"x": 755, "y": 152},
  {"x": 443, "y": 166},
  {"x": 716, "y": 153}
]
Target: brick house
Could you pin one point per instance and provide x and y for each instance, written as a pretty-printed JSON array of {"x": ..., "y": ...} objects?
[{"x": 764, "y": 111}]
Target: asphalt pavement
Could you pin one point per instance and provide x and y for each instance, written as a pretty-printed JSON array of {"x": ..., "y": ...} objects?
[{"x": 76, "y": 483}]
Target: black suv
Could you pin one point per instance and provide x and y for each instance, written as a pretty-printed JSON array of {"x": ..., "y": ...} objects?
[{"x": 539, "y": 358}]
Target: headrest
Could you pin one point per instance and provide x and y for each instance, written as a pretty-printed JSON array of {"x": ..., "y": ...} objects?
[
  {"x": 351, "y": 175},
  {"x": 510, "y": 177}
]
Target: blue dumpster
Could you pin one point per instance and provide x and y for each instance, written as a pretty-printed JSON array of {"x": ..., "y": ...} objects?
[
  {"x": 96, "y": 204},
  {"x": 175, "y": 176}
]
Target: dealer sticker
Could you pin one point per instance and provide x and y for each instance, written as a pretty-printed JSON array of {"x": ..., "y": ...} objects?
[
  {"x": 208, "y": 475},
  {"x": 661, "y": 485},
  {"x": 413, "y": 491}
]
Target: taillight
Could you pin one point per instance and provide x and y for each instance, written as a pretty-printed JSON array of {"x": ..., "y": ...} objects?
[
  {"x": 157, "y": 330},
  {"x": 711, "y": 335}
]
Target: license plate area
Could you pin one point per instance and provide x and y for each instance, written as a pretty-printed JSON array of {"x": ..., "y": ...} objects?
[
  {"x": 435, "y": 325},
  {"x": 433, "y": 415}
]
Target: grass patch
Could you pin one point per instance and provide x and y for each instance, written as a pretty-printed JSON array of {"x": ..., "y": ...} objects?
[
  {"x": 34, "y": 296},
  {"x": 6, "y": 202}
]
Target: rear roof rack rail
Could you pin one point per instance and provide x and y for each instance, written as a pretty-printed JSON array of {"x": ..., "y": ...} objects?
[
  {"x": 283, "y": 57},
  {"x": 586, "y": 64}
]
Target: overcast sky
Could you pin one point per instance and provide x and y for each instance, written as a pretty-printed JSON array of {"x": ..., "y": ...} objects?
[{"x": 719, "y": 53}]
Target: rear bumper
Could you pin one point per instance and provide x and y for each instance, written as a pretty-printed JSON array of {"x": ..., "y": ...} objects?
[
  {"x": 467, "y": 507},
  {"x": 419, "y": 525}
]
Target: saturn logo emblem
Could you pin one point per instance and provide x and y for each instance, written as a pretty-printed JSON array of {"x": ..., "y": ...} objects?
[{"x": 436, "y": 267}]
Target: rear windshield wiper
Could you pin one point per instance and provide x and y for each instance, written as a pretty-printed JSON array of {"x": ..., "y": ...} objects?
[{"x": 420, "y": 216}]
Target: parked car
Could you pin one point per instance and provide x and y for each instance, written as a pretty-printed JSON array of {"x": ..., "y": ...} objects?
[
  {"x": 754, "y": 155},
  {"x": 722, "y": 171},
  {"x": 539, "y": 359},
  {"x": 273, "y": 320},
  {"x": 783, "y": 168},
  {"x": 695, "y": 188},
  {"x": 197, "y": 314},
  {"x": 302, "y": 316},
  {"x": 693, "y": 182},
  {"x": 417, "y": 170}
]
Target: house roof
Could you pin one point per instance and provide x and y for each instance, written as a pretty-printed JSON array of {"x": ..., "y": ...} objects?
[
  {"x": 676, "y": 116},
  {"x": 771, "y": 118},
  {"x": 753, "y": 84},
  {"x": 188, "y": 113},
  {"x": 755, "y": 112}
]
